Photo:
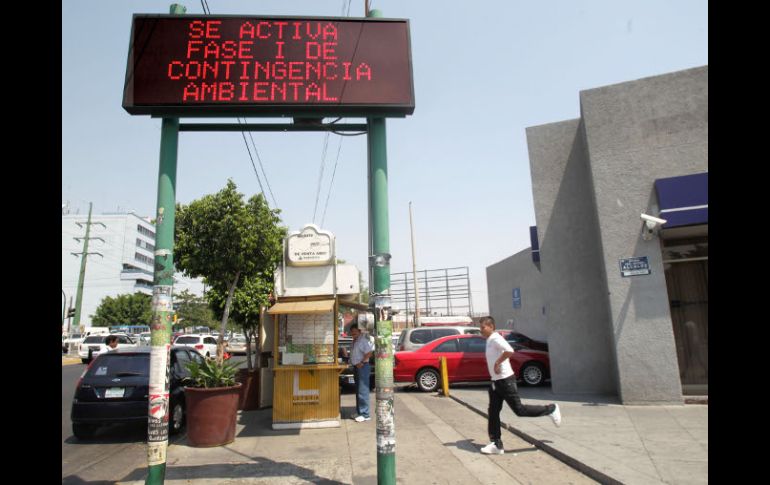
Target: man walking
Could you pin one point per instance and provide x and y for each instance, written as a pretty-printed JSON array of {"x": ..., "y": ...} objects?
[
  {"x": 360, "y": 352},
  {"x": 503, "y": 388}
]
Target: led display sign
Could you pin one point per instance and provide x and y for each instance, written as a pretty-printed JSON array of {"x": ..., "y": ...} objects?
[{"x": 218, "y": 66}]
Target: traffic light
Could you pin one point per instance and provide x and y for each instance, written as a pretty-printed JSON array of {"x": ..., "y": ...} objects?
[{"x": 71, "y": 313}]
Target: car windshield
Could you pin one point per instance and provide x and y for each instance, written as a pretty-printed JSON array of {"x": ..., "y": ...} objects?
[
  {"x": 94, "y": 339},
  {"x": 76, "y": 335},
  {"x": 118, "y": 365}
]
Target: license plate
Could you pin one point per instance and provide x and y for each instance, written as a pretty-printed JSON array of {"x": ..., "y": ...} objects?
[
  {"x": 114, "y": 392},
  {"x": 351, "y": 380}
]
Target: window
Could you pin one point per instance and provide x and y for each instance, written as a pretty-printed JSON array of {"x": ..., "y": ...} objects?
[
  {"x": 209, "y": 340},
  {"x": 142, "y": 258},
  {"x": 95, "y": 339},
  {"x": 182, "y": 359},
  {"x": 473, "y": 345},
  {"x": 122, "y": 339},
  {"x": 145, "y": 231},
  {"x": 421, "y": 336},
  {"x": 196, "y": 357},
  {"x": 118, "y": 365},
  {"x": 144, "y": 244},
  {"x": 186, "y": 340},
  {"x": 448, "y": 346},
  {"x": 443, "y": 332}
]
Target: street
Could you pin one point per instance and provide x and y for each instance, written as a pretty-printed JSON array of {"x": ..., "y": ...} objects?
[{"x": 120, "y": 448}]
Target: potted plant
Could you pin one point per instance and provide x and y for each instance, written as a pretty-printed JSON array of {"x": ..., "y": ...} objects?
[{"x": 211, "y": 395}]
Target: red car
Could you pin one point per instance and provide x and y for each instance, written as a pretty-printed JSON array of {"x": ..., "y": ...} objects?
[{"x": 466, "y": 362}]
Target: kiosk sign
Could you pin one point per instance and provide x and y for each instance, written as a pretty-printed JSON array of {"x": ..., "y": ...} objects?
[
  {"x": 220, "y": 65},
  {"x": 310, "y": 247}
]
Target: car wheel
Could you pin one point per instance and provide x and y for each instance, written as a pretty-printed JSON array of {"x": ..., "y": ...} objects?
[
  {"x": 83, "y": 431},
  {"x": 533, "y": 373},
  {"x": 208, "y": 355},
  {"x": 427, "y": 380},
  {"x": 176, "y": 419}
]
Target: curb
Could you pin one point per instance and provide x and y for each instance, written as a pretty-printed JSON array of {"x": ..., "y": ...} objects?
[
  {"x": 69, "y": 361},
  {"x": 568, "y": 460}
]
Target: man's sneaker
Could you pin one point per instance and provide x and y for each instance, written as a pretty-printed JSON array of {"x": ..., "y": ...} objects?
[
  {"x": 492, "y": 449},
  {"x": 556, "y": 415},
  {"x": 361, "y": 419}
]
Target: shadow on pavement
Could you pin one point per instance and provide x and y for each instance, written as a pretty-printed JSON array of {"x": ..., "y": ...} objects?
[
  {"x": 115, "y": 433},
  {"x": 261, "y": 468}
]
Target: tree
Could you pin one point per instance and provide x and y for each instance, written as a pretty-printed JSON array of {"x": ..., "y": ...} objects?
[
  {"x": 246, "y": 310},
  {"x": 225, "y": 240},
  {"x": 125, "y": 309},
  {"x": 192, "y": 310}
]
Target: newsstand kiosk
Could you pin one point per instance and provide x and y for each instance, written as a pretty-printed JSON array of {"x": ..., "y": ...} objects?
[{"x": 308, "y": 288}]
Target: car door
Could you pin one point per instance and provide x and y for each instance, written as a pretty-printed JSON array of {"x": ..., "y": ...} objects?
[
  {"x": 451, "y": 350},
  {"x": 211, "y": 345},
  {"x": 474, "y": 359}
]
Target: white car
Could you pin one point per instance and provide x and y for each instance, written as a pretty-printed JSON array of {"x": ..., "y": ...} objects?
[
  {"x": 206, "y": 345},
  {"x": 94, "y": 345}
]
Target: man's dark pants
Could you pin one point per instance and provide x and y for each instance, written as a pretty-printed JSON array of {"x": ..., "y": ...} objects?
[{"x": 506, "y": 390}]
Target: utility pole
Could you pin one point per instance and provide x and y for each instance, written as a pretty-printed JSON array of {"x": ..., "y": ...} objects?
[
  {"x": 83, "y": 258},
  {"x": 416, "y": 318},
  {"x": 162, "y": 302},
  {"x": 380, "y": 301},
  {"x": 63, "y": 308}
]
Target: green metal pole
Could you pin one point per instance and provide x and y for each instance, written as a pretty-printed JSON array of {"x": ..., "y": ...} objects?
[
  {"x": 162, "y": 303},
  {"x": 162, "y": 308},
  {"x": 379, "y": 265}
]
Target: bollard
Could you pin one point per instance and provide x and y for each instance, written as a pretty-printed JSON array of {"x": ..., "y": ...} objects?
[{"x": 444, "y": 377}]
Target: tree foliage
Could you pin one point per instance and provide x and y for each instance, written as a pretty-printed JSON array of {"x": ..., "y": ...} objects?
[
  {"x": 192, "y": 310},
  {"x": 125, "y": 309},
  {"x": 227, "y": 241}
]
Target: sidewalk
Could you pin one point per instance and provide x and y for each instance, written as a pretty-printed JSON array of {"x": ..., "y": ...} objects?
[
  {"x": 611, "y": 442},
  {"x": 438, "y": 442}
]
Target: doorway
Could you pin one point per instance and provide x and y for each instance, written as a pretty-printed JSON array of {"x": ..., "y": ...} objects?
[{"x": 686, "y": 267}]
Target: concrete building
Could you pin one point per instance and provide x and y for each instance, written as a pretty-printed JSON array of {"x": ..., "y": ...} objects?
[
  {"x": 126, "y": 244},
  {"x": 626, "y": 306}
]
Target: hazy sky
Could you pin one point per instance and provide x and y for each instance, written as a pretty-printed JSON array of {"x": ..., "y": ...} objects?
[{"x": 483, "y": 72}]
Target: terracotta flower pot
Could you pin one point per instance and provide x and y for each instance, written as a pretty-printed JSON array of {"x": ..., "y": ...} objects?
[
  {"x": 211, "y": 415},
  {"x": 250, "y": 389}
]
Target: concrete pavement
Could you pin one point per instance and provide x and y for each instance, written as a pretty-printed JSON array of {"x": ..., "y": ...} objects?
[
  {"x": 608, "y": 441},
  {"x": 437, "y": 442}
]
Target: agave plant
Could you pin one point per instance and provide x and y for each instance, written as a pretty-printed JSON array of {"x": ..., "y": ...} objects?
[{"x": 210, "y": 373}]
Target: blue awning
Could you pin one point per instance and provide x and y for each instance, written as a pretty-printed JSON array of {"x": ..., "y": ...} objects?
[{"x": 683, "y": 201}]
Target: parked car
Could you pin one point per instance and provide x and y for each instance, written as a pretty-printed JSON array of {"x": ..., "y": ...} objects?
[
  {"x": 466, "y": 362},
  {"x": 115, "y": 388},
  {"x": 205, "y": 344},
  {"x": 237, "y": 345},
  {"x": 414, "y": 338},
  {"x": 521, "y": 339},
  {"x": 94, "y": 345}
]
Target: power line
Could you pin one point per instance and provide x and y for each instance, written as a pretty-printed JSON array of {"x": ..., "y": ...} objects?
[
  {"x": 331, "y": 184},
  {"x": 259, "y": 159},
  {"x": 320, "y": 175},
  {"x": 243, "y": 134}
]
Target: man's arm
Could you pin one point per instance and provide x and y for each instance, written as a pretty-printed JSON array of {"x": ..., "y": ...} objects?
[{"x": 505, "y": 355}]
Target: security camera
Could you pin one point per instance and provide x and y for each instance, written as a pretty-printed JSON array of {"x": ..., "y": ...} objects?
[{"x": 651, "y": 221}]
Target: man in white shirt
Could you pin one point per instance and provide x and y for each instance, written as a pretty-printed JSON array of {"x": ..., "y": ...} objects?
[
  {"x": 360, "y": 352},
  {"x": 503, "y": 388}
]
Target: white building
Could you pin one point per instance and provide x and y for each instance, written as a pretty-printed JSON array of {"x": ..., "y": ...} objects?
[{"x": 126, "y": 243}]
